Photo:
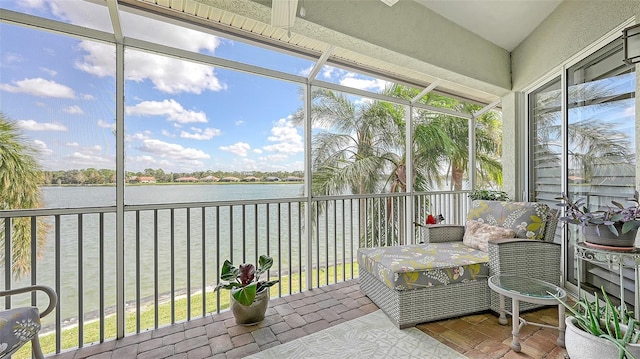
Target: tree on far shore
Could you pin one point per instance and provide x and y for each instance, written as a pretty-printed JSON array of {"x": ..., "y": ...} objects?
[{"x": 20, "y": 174}]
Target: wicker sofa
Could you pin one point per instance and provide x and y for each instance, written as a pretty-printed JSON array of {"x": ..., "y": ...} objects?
[{"x": 444, "y": 277}]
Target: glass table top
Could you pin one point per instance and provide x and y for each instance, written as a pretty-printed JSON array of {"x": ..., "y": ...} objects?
[{"x": 527, "y": 287}]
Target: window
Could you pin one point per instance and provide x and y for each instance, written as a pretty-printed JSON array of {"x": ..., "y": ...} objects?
[
  {"x": 601, "y": 141},
  {"x": 599, "y": 149}
]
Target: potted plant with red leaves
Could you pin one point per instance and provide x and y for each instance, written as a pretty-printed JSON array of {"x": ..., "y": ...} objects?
[{"x": 249, "y": 295}]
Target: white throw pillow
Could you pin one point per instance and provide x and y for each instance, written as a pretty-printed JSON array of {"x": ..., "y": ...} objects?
[{"x": 478, "y": 234}]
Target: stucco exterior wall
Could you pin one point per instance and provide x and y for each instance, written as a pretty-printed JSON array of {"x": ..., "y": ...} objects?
[
  {"x": 407, "y": 34},
  {"x": 509, "y": 149},
  {"x": 572, "y": 27},
  {"x": 411, "y": 29}
]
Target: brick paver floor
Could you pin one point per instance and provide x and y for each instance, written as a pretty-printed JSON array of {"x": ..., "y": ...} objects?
[{"x": 294, "y": 316}]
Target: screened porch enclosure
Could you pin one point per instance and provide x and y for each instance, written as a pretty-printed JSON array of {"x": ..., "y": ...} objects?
[{"x": 354, "y": 134}]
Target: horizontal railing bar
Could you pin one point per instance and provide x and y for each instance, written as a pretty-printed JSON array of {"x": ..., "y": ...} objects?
[
  {"x": 140, "y": 207},
  {"x": 15, "y": 213},
  {"x": 36, "y": 212}
]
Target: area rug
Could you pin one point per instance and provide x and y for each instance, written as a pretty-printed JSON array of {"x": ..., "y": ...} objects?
[{"x": 370, "y": 336}]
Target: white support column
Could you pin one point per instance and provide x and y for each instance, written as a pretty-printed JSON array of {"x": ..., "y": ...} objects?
[
  {"x": 409, "y": 209},
  {"x": 307, "y": 184},
  {"x": 472, "y": 152},
  {"x": 120, "y": 171}
]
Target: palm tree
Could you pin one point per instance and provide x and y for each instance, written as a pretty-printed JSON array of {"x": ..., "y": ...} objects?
[
  {"x": 356, "y": 141},
  {"x": 441, "y": 139},
  {"x": 488, "y": 148},
  {"x": 20, "y": 174},
  {"x": 356, "y": 149},
  {"x": 361, "y": 148}
]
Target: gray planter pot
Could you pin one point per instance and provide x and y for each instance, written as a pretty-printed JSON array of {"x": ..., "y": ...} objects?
[
  {"x": 582, "y": 345},
  {"x": 251, "y": 314},
  {"x": 606, "y": 238}
]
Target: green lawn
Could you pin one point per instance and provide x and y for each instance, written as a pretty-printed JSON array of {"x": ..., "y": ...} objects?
[{"x": 147, "y": 315}]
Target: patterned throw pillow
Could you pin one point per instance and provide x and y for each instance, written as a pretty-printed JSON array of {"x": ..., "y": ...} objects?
[
  {"x": 527, "y": 219},
  {"x": 478, "y": 234}
]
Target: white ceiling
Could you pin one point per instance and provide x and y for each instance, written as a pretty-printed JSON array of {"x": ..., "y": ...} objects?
[{"x": 506, "y": 23}]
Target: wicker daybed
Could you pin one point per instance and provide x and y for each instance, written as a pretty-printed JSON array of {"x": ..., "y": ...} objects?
[{"x": 444, "y": 277}]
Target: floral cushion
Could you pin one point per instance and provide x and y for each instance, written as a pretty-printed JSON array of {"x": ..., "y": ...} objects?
[
  {"x": 17, "y": 326},
  {"x": 424, "y": 265},
  {"x": 478, "y": 234},
  {"x": 526, "y": 219}
]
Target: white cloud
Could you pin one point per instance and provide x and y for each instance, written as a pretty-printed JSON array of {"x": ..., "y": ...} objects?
[
  {"x": 167, "y": 133},
  {"x": 39, "y": 87},
  {"x": 138, "y": 163},
  {"x": 239, "y": 148},
  {"x": 306, "y": 72},
  {"x": 286, "y": 138},
  {"x": 71, "y": 11},
  {"x": 88, "y": 159},
  {"x": 239, "y": 123},
  {"x": 257, "y": 150},
  {"x": 374, "y": 85},
  {"x": 31, "y": 125},
  {"x": 200, "y": 134},
  {"x": 11, "y": 58},
  {"x": 105, "y": 124},
  {"x": 72, "y": 144},
  {"x": 352, "y": 79},
  {"x": 42, "y": 147},
  {"x": 87, "y": 97},
  {"x": 73, "y": 110},
  {"x": 49, "y": 72},
  {"x": 169, "y": 108},
  {"x": 328, "y": 71},
  {"x": 31, "y": 4},
  {"x": 172, "y": 151},
  {"x": 138, "y": 136},
  {"x": 167, "y": 74},
  {"x": 274, "y": 158}
]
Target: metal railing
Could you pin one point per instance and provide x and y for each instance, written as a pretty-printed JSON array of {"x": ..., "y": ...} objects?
[{"x": 173, "y": 254}]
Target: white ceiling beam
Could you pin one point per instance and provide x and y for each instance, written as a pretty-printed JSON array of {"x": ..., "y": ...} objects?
[
  {"x": 426, "y": 91},
  {"x": 485, "y": 109},
  {"x": 114, "y": 14},
  {"x": 321, "y": 61}
]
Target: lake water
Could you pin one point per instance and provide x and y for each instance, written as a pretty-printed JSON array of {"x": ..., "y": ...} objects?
[
  {"x": 90, "y": 196},
  {"x": 224, "y": 235}
]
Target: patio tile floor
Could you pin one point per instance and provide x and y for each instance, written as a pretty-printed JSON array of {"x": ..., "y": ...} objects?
[{"x": 297, "y": 315}]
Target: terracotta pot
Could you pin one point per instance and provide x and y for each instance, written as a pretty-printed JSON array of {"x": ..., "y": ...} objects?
[
  {"x": 606, "y": 238},
  {"x": 250, "y": 314},
  {"x": 582, "y": 345}
]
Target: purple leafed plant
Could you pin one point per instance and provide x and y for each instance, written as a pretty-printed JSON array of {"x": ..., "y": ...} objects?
[{"x": 617, "y": 215}]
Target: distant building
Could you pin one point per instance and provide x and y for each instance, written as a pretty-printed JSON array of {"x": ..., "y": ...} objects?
[
  {"x": 186, "y": 179},
  {"x": 229, "y": 179},
  {"x": 250, "y": 179},
  {"x": 210, "y": 179},
  {"x": 142, "y": 179},
  {"x": 271, "y": 179},
  {"x": 294, "y": 179}
]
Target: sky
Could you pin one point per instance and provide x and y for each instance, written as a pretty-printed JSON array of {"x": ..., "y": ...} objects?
[{"x": 179, "y": 116}]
